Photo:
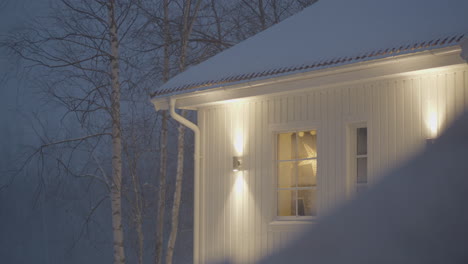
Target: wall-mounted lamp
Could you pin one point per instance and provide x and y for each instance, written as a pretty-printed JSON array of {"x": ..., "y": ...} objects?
[
  {"x": 433, "y": 127},
  {"x": 236, "y": 163},
  {"x": 430, "y": 141}
]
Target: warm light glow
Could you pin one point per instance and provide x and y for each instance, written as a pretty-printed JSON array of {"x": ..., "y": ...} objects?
[
  {"x": 239, "y": 185},
  {"x": 239, "y": 203},
  {"x": 432, "y": 123},
  {"x": 310, "y": 153},
  {"x": 239, "y": 143}
]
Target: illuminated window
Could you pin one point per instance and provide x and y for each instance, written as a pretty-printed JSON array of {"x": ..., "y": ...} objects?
[{"x": 297, "y": 173}]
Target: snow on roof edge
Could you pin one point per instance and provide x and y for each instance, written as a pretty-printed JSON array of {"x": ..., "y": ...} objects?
[{"x": 441, "y": 42}]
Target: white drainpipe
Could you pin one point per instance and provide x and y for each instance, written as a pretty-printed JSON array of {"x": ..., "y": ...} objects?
[{"x": 196, "y": 167}]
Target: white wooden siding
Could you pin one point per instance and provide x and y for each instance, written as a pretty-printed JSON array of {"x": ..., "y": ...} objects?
[{"x": 237, "y": 207}]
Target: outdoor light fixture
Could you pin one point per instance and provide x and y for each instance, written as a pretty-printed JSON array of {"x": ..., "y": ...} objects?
[
  {"x": 236, "y": 163},
  {"x": 430, "y": 141},
  {"x": 433, "y": 126}
]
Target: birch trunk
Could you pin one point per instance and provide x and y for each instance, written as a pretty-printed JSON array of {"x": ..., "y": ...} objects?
[
  {"x": 138, "y": 208},
  {"x": 163, "y": 144},
  {"x": 261, "y": 12},
  {"x": 219, "y": 33},
  {"x": 116, "y": 190},
  {"x": 187, "y": 26},
  {"x": 177, "y": 193},
  {"x": 162, "y": 190}
]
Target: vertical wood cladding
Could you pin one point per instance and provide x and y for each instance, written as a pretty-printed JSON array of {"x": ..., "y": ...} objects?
[{"x": 237, "y": 208}]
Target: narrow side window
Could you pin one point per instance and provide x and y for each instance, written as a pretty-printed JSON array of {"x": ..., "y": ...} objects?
[
  {"x": 357, "y": 157},
  {"x": 361, "y": 158}
]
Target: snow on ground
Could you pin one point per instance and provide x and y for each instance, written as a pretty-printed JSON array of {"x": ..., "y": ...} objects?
[{"x": 416, "y": 214}]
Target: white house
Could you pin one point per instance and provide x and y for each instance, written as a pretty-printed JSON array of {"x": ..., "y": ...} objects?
[{"x": 298, "y": 118}]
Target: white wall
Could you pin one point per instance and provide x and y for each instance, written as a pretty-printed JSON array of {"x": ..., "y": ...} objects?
[{"x": 238, "y": 207}]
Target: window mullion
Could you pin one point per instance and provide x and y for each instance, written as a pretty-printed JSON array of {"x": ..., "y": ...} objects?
[{"x": 314, "y": 158}]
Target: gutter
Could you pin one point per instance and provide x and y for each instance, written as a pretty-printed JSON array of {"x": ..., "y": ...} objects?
[
  {"x": 196, "y": 158},
  {"x": 161, "y": 102}
]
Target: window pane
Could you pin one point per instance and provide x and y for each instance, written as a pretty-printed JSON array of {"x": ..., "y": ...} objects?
[
  {"x": 286, "y": 146},
  {"x": 362, "y": 141},
  {"x": 307, "y": 173},
  {"x": 287, "y": 174},
  {"x": 362, "y": 170},
  {"x": 307, "y": 144},
  {"x": 306, "y": 202},
  {"x": 286, "y": 203}
]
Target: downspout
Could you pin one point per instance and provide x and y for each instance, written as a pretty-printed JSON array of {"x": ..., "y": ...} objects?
[{"x": 196, "y": 167}]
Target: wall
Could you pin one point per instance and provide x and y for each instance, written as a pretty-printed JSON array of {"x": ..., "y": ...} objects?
[{"x": 238, "y": 208}]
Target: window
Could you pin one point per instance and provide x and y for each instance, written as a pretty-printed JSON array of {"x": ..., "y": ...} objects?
[
  {"x": 358, "y": 157},
  {"x": 297, "y": 173},
  {"x": 361, "y": 158}
]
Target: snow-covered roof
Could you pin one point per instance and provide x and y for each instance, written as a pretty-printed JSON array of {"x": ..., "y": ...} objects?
[{"x": 328, "y": 34}]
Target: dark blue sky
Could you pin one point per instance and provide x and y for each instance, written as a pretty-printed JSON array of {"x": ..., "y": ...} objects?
[{"x": 15, "y": 98}]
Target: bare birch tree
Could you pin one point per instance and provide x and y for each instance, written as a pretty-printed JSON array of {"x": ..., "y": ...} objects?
[
  {"x": 137, "y": 203},
  {"x": 245, "y": 18},
  {"x": 86, "y": 56},
  {"x": 196, "y": 41},
  {"x": 78, "y": 51},
  {"x": 116, "y": 187},
  {"x": 188, "y": 21},
  {"x": 163, "y": 142}
]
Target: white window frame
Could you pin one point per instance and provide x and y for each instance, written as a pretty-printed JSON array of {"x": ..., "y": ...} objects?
[
  {"x": 352, "y": 156},
  {"x": 291, "y": 128}
]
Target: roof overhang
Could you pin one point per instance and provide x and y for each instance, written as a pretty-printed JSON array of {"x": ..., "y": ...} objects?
[{"x": 401, "y": 65}]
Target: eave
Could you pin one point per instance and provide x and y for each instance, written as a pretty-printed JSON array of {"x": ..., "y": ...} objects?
[{"x": 318, "y": 79}]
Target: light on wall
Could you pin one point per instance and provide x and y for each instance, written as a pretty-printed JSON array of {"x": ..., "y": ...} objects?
[
  {"x": 236, "y": 163},
  {"x": 433, "y": 126},
  {"x": 239, "y": 143}
]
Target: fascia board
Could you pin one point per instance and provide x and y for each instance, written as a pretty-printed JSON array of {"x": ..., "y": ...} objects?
[{"x": 331, "y": 77}]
